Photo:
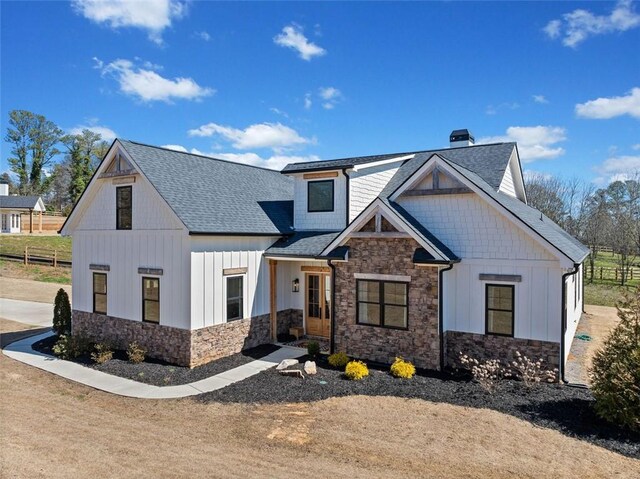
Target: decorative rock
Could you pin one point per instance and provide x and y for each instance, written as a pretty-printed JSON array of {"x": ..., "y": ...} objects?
[
  {"x": 286, "y": 363},
  {"x": 310, "y": 368},
  {"x": 292, "y": 372}
]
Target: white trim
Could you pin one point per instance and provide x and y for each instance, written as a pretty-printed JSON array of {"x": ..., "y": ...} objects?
[
  {"x": 382, "y": 277},
  {"x": 381, "y": 162},
  {"x": 392, "y": 217}
]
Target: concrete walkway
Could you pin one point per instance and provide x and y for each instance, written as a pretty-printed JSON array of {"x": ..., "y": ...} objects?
[
  {"x": 22, "y": 351},
  {"x": 27, "y": 312}
]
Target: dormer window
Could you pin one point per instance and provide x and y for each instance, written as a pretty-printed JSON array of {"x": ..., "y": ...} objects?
[
  {"x": 123, "y": 207},
  {"x": 320, "y": 196}
]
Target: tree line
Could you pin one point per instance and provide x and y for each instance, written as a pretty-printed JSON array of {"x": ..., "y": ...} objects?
[
  {"x": 48, "y": 162},
  {"x": 599, "y": 217}
]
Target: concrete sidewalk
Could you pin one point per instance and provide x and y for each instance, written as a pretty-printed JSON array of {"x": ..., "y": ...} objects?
[
  {"x": 27, "y": 312},
  {"x": 23, "y": 352}
]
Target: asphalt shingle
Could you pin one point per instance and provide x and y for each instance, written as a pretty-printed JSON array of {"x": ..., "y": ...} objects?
[
  {"x": 19, "y": 202},
  {"x": 308, "y": 244}
]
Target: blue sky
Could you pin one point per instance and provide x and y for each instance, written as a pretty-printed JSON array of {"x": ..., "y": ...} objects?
[{"x": 271, "y": 83}]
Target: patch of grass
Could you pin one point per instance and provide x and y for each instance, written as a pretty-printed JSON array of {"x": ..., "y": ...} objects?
[
  {"x": 46, "y": 274},
  {"x": 15, "y": 244},
  {"x": 604, "y": 294}
]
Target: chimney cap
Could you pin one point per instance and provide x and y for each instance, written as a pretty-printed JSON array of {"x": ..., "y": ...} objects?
[{"x": 461, "y": 135}]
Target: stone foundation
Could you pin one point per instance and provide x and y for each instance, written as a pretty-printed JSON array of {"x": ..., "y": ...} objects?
[
  {"x": 181, "y": 346},
  {"x": 420, "y": 343},
  {"x": 481, "y": 346},
  {"x": 161, "y": 342}
]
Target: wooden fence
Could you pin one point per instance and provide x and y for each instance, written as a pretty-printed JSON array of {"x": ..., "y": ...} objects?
[
  {"x": 50, "y": 222},
  {"x": 603, "y": 273},
  {"x": 40, "y": 255}
]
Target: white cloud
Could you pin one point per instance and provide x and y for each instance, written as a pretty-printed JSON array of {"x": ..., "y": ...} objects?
[
  {"x": 580, "y": 24},
  {"x": 493, "y": 110},
  {"x": 604, "y": 108},
  {"x": 179, "y": 148},
  {"x": 292, "y": 37},
  {"x": 262, "y": 135},
  {"x": 278, "y": 111},
  {"x": 534, "y": 142},
  {"x": 147, "y": 85},
  {"x": 307, "y": 101},
  {"x": 150, "y": 15},
  {"x": 330, "y": 97},
  {"x": 203, "y": 35},
  {"x": 540, "y": 99},
  {"x": 107, "y": 134},
  {"x": 636, "y": 146},
  {"x": 617, "y": 168}
]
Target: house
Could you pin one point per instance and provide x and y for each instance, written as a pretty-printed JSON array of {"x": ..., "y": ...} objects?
[
  {"x": 12, "y": 207},
  {"x": 422, "y": 254}
]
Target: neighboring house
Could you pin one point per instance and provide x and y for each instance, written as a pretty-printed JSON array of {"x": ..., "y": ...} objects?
[
  {"x": 421, "y": 255},
  {"x": 12, "y": 207}
]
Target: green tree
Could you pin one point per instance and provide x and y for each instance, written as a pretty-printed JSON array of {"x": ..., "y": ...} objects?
[
  {"x": 82, "y": 152},
  {"x": 616, "y": 368},
  {"x": 62, "y": 313},
  {"x": 33, "y": 139}
]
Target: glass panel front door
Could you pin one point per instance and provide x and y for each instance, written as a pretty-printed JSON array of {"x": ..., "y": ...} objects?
[{"x": 318, "y": 308}]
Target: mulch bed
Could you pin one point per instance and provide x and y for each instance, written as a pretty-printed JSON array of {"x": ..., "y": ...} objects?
[
  {"x": 161, "y": 373},
  {"x": 563, "y": 408}
]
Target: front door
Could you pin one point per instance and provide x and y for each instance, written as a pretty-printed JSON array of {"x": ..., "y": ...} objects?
[{"x": 318, "y": 307}]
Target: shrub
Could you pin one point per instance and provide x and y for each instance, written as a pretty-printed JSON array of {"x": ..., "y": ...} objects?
[
  {"x": 338, "y": 360},
  {"x": 102, "y": 353},
  {"x": 70, "y": 347},
  {"x": 402, "y": 369},
  {"x": 313, "y": 348},
  {"x": 62, "y": 314},
  {"x": 487, "y": 374},
  {"x": 136, "y": 353},
  {"x": 356, "y": 370},
  {"x": 615, "y": 374},
  {"x": 531, "y": 372}
]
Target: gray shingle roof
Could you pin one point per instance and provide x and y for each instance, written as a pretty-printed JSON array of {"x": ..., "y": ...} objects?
[
  {"x": 213, "y": 196},
  {"x": 338, "y": 163},
  {"x": 534, "y": 219},
  {"x": 308, "y": 244},
  {"x": 19, "y": 202}
]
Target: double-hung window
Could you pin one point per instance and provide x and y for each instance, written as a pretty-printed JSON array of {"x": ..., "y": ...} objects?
[
  {"x": 320, "y": 196},
  {"x": 123, "y": 207},
  {"x": 100, "y": 293},
  {"x": 235, "y": 297},
  {"x": 151, "y": 299},
  {"x": 382, "y": 303},
  {"x": 500, "y": 309}
]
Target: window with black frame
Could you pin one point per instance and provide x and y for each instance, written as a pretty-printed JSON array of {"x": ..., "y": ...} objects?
[
  {"x": 100, "y": 293},
  {"x": 320, "y": 196},
  {"x": 123, "y": 207},
  {"x": 151, "y": 300},
  {"x": 235, "y": 298},
  {"x": 382, "y": 303},
  {"x": 500, "y": 304}
]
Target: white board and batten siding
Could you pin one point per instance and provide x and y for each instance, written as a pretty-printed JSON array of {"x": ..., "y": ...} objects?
[
  {"x": 157, "y": 240},
  {"x": 575, "y": 303},
  {"x": 366, "y": 184},
  {"x": 287, "y": 272},
  {"x": 209, "y": 257},
  {"x": 330, "y": 220},
  {"x": 489, "y": 243}
]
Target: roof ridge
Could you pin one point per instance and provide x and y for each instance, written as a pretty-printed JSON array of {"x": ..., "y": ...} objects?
[{"x": 198, "y": 155}]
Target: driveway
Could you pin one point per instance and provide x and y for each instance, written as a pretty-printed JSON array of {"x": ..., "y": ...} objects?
[{"x": 27, "y": 312}]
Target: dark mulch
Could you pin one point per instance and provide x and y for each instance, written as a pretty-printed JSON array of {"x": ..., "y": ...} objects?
[
  {"x": 160, "y": 373},
  {"x": 566, "y": 409}
]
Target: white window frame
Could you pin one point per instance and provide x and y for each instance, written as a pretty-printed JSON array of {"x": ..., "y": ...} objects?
[{"x": 245, "y": 310}]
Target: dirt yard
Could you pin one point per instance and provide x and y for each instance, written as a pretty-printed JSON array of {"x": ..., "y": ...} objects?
[
  {"x": 28, "y": 290},
  {"x": 52, "y": 427}
]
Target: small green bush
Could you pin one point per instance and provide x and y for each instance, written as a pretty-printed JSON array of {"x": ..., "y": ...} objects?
[
  {"x": 136, "y": 353},
  {"x": 356, "y": 370},
  {"x": 402, "y": 369},
  {"x": 102, "y": 353},
  {"x": 339, "y": 360},
  {"x": 615, "y": 375},
  {"x": 313, "y": 348},
  {"x": 62, "y": 314},
  {"x": 70, "y": 347}
]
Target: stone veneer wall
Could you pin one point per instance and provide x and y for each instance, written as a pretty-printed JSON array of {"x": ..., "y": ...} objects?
[
  {"x": 181, "y": 346},
  {"x": 161, "y": 342},
  {"x": 420, "y": 343},
  {"x": 481, "y": 346}
]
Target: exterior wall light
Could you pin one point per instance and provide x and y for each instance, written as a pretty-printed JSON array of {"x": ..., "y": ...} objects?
[{"x": 295, "y": 285}]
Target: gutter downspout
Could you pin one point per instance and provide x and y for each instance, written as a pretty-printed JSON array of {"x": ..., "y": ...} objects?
[
  {"x": 346, "y": 222},
  {"x": 332, "y": 342},
  {"x": 441, "y": 314},
  {"x": 563, "y": 318}
]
